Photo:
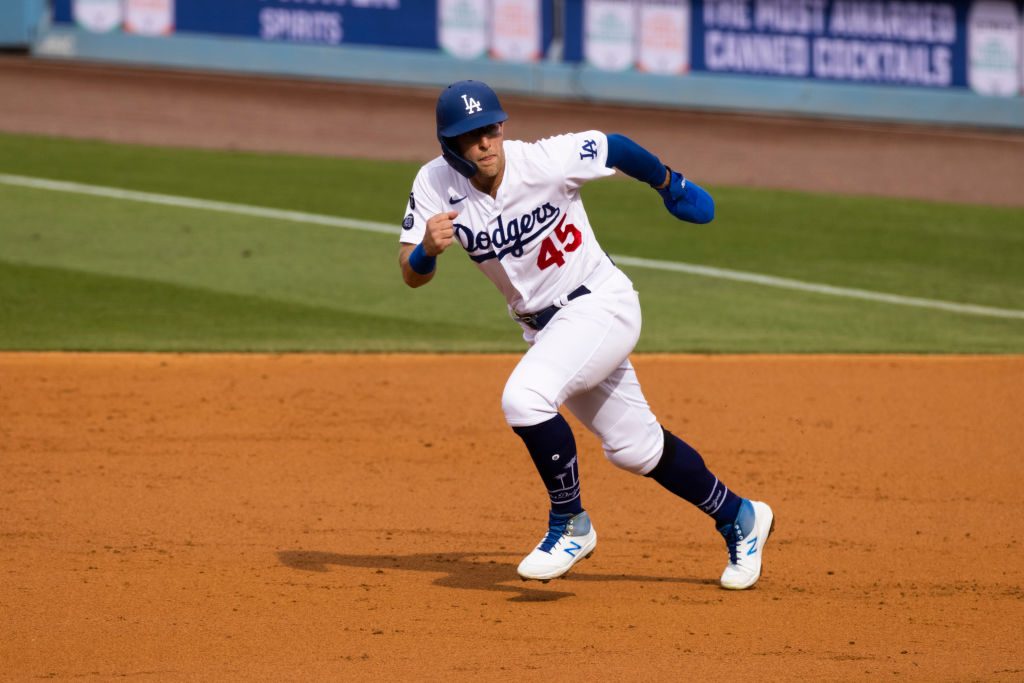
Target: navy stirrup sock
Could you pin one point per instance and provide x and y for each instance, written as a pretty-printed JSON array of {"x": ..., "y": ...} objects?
[
  {"x": 682, "y": 471},
  {"x": 553, "y": 449}
]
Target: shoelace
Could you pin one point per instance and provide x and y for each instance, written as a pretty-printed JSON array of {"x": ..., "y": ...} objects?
[
  {"x": 556, "y": 529},
  {"x": 732, "y": 541}
]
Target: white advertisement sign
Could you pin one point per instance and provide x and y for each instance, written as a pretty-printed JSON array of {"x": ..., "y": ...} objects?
[
  {"x": 462, "y": 27},
  {"x": 99, "y": 16},
  {"x": 149, "y": 17},
  {"x": 993, "y": 48},
  {"x": 516, "y": 30},
  {"x": 665, "y": 38},
  {"x": 609, "y": 27}
]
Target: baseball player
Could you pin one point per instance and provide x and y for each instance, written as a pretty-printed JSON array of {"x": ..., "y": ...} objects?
[{"x": 515, "y": 209}]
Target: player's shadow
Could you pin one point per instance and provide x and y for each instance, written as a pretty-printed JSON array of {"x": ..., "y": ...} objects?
[{"x": 467, "y": 570}]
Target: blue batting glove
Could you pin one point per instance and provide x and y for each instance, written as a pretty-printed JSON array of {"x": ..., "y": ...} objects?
[{"x": 687, "y": 201}]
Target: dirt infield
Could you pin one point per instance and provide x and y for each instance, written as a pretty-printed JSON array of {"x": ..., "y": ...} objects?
[{"x": 172, "y": 517}]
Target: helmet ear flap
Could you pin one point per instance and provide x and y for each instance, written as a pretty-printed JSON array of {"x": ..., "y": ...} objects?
[{"x": 464, "y": 166}]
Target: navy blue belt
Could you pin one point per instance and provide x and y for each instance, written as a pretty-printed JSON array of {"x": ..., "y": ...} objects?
[{"x": 538, "y": 320}]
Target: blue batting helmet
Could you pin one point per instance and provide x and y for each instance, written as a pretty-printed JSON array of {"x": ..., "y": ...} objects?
[{"x": 462, "y": 107}]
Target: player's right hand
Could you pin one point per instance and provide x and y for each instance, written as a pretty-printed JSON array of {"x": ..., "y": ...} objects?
[{"x": 440, "y": 233}]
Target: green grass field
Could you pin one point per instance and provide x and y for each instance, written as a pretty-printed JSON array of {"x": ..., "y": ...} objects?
[{"x": 89, "y": 273}]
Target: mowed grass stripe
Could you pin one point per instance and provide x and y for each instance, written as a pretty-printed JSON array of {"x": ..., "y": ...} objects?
[
  {"x": 194, "y": 203},
  {"x": 636, "y": 262},
  {"x": 110, "y": 312},
  {"x": 830, "y": 290}
]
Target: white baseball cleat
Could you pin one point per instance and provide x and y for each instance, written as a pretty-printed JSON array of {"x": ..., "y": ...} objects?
[
  {"x": 569, "y": 540},
  {"x": 745, "y": 539}
]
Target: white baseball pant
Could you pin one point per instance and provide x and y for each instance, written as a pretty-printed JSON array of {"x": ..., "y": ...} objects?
[{"x": 581, "y": 359}]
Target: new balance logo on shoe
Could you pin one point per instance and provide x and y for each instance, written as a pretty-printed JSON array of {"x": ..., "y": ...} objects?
[
  {"x": 753, "y": 546},
  {"x": 573, "y": 549}
]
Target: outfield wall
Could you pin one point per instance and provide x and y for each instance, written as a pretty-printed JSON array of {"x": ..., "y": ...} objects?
[
  {"x": 20, "y": 22},
  {"x": 956, "y": 63}
]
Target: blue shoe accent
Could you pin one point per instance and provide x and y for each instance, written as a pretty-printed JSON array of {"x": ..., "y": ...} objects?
[
  {"x": 572, "y": 550},
  {"x": 565, "y": 524},
  {"x": 737, "y": 532},
  {"x": 556, "y": 529}
]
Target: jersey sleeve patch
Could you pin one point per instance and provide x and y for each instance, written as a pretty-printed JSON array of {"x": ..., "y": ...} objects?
[
  {"x": 588, "y": 150},
  {"x": 580, "y": 156},
  {"x": 424, "y": 202}
]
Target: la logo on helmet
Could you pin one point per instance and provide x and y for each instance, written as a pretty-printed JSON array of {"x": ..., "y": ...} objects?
[{"x": 471, "y": 105}]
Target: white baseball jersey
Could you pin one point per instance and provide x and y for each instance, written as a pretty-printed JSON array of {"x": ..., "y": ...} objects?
[{"x": 534, "y": 240}]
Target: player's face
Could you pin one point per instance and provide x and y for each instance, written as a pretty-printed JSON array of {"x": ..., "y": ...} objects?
[{"x": 484, "y": 147}]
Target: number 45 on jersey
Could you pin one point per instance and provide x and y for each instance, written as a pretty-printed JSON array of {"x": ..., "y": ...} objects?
[{"x": 568, "y": 239}]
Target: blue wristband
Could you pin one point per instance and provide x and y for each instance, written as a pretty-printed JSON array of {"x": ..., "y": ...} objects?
[{"x": 420, "y": 262}]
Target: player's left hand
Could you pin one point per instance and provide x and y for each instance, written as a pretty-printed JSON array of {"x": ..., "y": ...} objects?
[{"x": 687, "y": 201}]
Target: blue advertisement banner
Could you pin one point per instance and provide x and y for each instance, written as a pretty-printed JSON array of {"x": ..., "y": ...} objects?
[
  {"x": 387, "y": 23},
  {"x": 327, "y": 22},
  {"x": 899, "y": 43},
  {"x": 916, "y": 43}
]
